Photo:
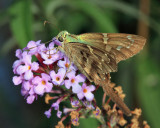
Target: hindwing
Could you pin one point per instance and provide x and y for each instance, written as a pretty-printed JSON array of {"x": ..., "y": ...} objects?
[{"x": 94, "y": 63}]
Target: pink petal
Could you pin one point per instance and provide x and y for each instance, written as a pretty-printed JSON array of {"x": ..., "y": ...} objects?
[
  {"x": 26, "y": 58},
  {"x": 48, "y": 61},
  {"x": 52, "y": 74},
  {"x": 44, "y": 55},
  {"x": 31, "y": 44},
  {"x": 80, "y": 95},
  {"x": 48, "y": 113},
  {"x": 80, "y": 78},
  {"x": 19, "y": 53},
  {"x": 71, "y": 74},
  {"x": 49, "y": 87},
  {"x": 26, "y": 85},
  {"x": 28, "y": 75},
  {"x": 84, "y": 85},
  {"x": 30, "y": 99},
  {"x": 17, "y": 80},
  {"x": 21, "y": 69},
  {"x": 35, "y": 66},
  {"x": 76, "y": 88},
  {"x": 89, "y": 96},
  {"x": 61, "y": 72},
  {"x": 45, "y": 76},
  {"x": 67, "y": 84},
  {"x": 36, "y": 80},
  {"x": 91, "y": 88},
  {"x": 23, "y": 92},
  {"x": 61, "y": 64},
  {"x": 39, "y": 89},
  {"x": 59, "y": 113},
  {"x": 51, "y": 45}
]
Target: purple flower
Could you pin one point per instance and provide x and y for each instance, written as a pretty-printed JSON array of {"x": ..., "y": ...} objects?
[
  {"x": 30, "y": 99},
  {"x": 48, "y": 113},
  {"x": 35, "y": 47},
  {"x": 75, "y": 103},
  {"x": 59, "y": 113},
  {"x": 15, "y": 65},
  {"x": 28, "y": 91},
  {"x": 19, "y": 53},
  {"x": 42, "y": 84},
  {"x": 65, "y": 64},
  {"x": 56, "y": 105},
  {"x": 51, "y": 55},
  {"x": 74, "y": 81},
  {"x": 27, "y": 67},
  {"x": 57, "y": 79},
  {"x": 86, "y": 92},
  {"x": 17, "y": 80}
]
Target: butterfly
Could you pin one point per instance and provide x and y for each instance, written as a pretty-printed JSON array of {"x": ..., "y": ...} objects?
[{"x": 97, "y": 54}]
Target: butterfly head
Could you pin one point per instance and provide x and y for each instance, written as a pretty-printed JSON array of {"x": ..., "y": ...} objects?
[{"x": 62, "y": 35}]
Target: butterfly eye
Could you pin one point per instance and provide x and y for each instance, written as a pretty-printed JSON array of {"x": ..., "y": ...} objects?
[{"x": 60, "y": 39}]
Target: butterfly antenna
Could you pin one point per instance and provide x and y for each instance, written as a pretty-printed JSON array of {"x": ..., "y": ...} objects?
[{"x": 45, "y": 22}]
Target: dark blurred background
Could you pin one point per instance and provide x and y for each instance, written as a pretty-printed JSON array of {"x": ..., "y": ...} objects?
[{"x": 23, "y": 20}]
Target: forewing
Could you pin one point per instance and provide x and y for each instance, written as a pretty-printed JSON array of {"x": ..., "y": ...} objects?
[
  {"x": 94, "y": 63},
  {"x": 122, "y": 46}
]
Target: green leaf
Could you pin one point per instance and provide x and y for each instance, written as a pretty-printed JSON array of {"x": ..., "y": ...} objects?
[
  {"x": 130, "y": 11},
  {"x": 21, "y": 22},
  {"x": 101, "y": 18},
  {"x": 88, "y": 123},
  {"x": 148, "y": 89}
]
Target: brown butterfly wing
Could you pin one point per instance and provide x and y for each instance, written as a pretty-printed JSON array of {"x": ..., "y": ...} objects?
[
  {"x": 122, "y": 46},
  {"x": 94, "y": 63}
]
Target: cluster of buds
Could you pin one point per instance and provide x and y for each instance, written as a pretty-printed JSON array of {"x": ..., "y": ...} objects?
[{"x": 44, "y": 70}]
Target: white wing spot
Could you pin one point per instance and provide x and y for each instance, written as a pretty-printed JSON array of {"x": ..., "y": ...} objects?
[
  {"x": 119, "y": 48},
  {"x": 105, "y": 38},
  {"x": 130, "y": 38},
  {"x": 128, "y": 47}
]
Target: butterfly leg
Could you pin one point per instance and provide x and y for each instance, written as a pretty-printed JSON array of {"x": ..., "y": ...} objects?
[{"x": 66, "y": 71}]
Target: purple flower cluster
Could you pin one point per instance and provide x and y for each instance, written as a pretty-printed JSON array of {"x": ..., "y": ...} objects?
[{"x": 51, "y": 70}]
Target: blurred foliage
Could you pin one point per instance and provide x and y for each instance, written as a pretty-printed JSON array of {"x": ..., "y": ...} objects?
[{"x": 23, "y": 20}]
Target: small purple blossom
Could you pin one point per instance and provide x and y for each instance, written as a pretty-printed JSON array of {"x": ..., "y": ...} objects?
[
  {"x": 42, "y": 84},
  {"x": 19, "y": 53},
  {"x": 75, "y": 103},
  {"x": 28, "y": 91},
  {"x": 86, "y": 91},
  {"x": 48, "y": 113},
  {"x": 27, "y": 66},
  {"x": 57, "y": 78},
  {"x": 74, "y": 81},
  {"x": 35, "y": 47},
  {"x": 51, "y": 54},
  {"x": 66, "y": 64},
  {"x": 59, "y": 113},
  {"x": 17, "y": 80},
  {"x": 30, "y": 99},
  {"x": 55, "y": 105}
]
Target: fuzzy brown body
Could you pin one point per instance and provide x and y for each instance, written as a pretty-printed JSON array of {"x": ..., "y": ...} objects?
[{"x": 97, "y": 54}]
